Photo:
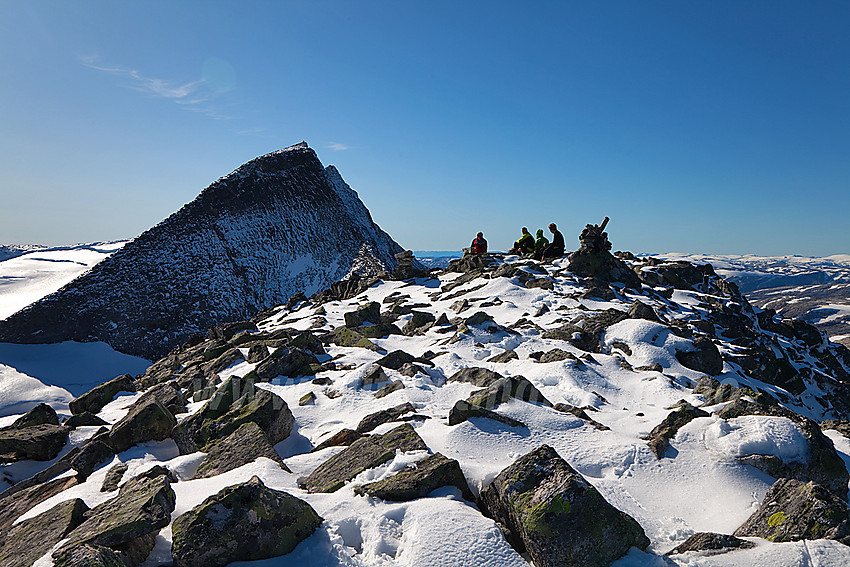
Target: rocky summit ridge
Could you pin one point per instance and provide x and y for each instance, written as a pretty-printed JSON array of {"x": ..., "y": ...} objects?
[
  {"x": 502, "y": 411},
  {"x": 279, "y": 224}
]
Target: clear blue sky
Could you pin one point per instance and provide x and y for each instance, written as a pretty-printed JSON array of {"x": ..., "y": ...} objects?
[{"x": 697, "y": 126}]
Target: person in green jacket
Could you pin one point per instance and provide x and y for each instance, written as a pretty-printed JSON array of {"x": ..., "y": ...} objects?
[
  {"x": 540, "y": 244},
  {"x": 525, "y": 244}
]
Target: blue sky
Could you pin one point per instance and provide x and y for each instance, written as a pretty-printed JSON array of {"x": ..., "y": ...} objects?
[{"x": 717, "y": 127}]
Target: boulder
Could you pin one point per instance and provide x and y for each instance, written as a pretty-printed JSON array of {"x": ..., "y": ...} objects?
[
  {"x": 245, "y": 522},
  {"x": 374, "y": 375},
  {"x": 342, "y": 438},
  {"x": 659, "y": 437},
  {"x": 113, "y": 477},
  {"x": 588, "y": 336},
  {"x": 390, "y": 388},
  {"x": 707, "y": 541},
  {"x": 307, "y": 399},
  {"x": 398, "y": 358},
  {"x": 345, "y": 337},
  {"x": 371, "y": 313},
  {"x": 147, "y": 420},
  {"x": 13, "y": 504},
  {"x": 554, "y": 355},
  {"x": 88, "y": 555},
  {"x": 379, "y": 331},
  {"x": 553, "y": 513},
  {"x": 84, "y": 418},
  {"x": 640, "y": 310},
  {"x": 506, "y": 356},
  {"x": 28, "y": 540},
  {"x": 39, "y": 415},
  {"x": 504, "y": 389},
  {"x": 36, "y": 442},
  {"x": 364, "y": 453},
  {"x": 704, "y": 358},
  {"x": 419, "y": 480},
  {"x": 129, "y": 522},
  {"x": 241, "y": 447},
  {"x": 581, "y": 414},
  {"x": 373, "y": 420},
  {"x": 463, "y": 410},
  {"x": 419, "y": 321},
  {"x": 95, "y": 400},
  {"x": 168, "y": 394},
  {"x": 481, "y": 377},
  {"x": 794, "y": 510},
  {"x": 287, "y": 361},
  {"x": 824, "y": 466},
  {"x": 94, "y": 453},
  {"x": 237, "y": 401}
]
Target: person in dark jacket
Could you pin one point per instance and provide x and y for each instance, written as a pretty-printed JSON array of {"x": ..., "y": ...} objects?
[
  {"x": 556, "y": 248},
  {"x": 540, "y": 244},
  {"x": 525, "y": 244},
  {"x": 479, "y": 245}
]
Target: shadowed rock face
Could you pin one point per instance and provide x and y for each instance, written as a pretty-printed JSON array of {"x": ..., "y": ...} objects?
[{"x": 280, "y": 224}]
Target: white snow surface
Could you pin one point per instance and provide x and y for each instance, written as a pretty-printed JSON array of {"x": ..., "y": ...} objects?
[
  {"x": 27, "y": 278},
  {"x": 698, "y": 485}
]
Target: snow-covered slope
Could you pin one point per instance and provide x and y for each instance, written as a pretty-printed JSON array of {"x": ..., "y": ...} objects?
[
  {"x": 279, "y": 224},
  {"x": 816, "y": 290},
  {"x": 617, "y": 376},
  {"x": 28, "y": 273}
]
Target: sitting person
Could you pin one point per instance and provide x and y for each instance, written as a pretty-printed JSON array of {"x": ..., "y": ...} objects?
[
  {"x": 540, "y": 244},
  {"x": 556, "y": 248},
  {"x": 479, "y": 245},
  {"x": 525, "y": 244}
]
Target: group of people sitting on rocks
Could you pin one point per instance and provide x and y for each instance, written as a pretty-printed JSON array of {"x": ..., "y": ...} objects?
[{"x": 527, "y": 246}]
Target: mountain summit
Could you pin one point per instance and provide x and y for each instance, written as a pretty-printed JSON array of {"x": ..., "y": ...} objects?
[{"x": 279, "y": 224}]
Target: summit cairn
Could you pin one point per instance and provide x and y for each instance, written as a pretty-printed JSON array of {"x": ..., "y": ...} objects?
[{"x": 594, "y": 259}]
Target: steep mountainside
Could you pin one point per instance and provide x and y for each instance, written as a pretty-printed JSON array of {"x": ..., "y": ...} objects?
[
  {"x": 816, "y": 290},
  {"x": 279, "y": 224},
  {"x": 590, "y": 411}
]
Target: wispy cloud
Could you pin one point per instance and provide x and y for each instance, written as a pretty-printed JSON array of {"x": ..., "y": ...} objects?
[
  {"x": 337, "y": 147},
  {"x": 192, "y": 95}
]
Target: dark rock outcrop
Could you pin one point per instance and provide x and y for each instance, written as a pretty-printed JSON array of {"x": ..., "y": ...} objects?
[
  {"x": 704, "y": 358},
  {"x": 235, "y": 249},
  {"x": 373, "y": 420},
  {"x": 147, "y": 420},
  {"x": 364, "y": 453},
  {"x": 553, "y": 513},
  {"x": 88, "y": 555},
  {"x": 463, "y": 410},
  {"x": 241, "y": 523},
  {"x": 36, "y": 442},
  {"x": 594, "y": 260},
  {"x": 794, "y": 510},
  {"x": 659, "y": 437},
  {"x": 419, "y": 480},
  {"x": 39, "y": 415}
]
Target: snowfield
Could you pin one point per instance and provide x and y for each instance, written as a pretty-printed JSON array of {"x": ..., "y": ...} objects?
[{"x": 698, "y": 485}]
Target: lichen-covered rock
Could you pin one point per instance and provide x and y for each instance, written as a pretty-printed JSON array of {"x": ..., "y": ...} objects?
[
  {"x": 396, "y": 359},
  {"x": 640, "y": 310},
  {"x": 419, "y": 480},
  {"x": 14, "y": 504},
  {"x": 241, "y": 523},
  {"x": 794, "y": 510},
  {"x": 84, "y": 418},
  {"x": 463, "y": 410},
  {"x": 168, "y": 394},
  {"x": 419, "y": 322},
  {"x": 147, "y": 420},
  {"x": 130, "y": 521},
  {"x": 342, "y": 438},
  {"x": 39, "y": 415},
  {"x": 554, "y": 355},
  {"x": 113, "y": 477},
  {"x": 373, "y": 420},
  {"x": 506, "y": 356},
  {"x": 504, "y": 389},
  {"x": 27, "y": 541},
  {"x": 704, "y": 358},
  {"x": 659, "y": 437},
  {"x": 481, "y": 377},
  {"x": 241, "y": 447},
  {"x": 707, "y": 541},
  {"x": 345, "y": 337},
  {"x": 37, "y": 442},
  {"x": 88, "y": 555},
  {"x": 364, "y": 453},
  {"x": 287, "y": 361},
  {"x": 94, "y": 400},
  {"x": 555, "y": 515},
  {"x": 237, "y": 401},
  {"x": 94, "y": 453},
  {"x": 581, "y": 414},
  {"x": 389, "y": 388}
]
